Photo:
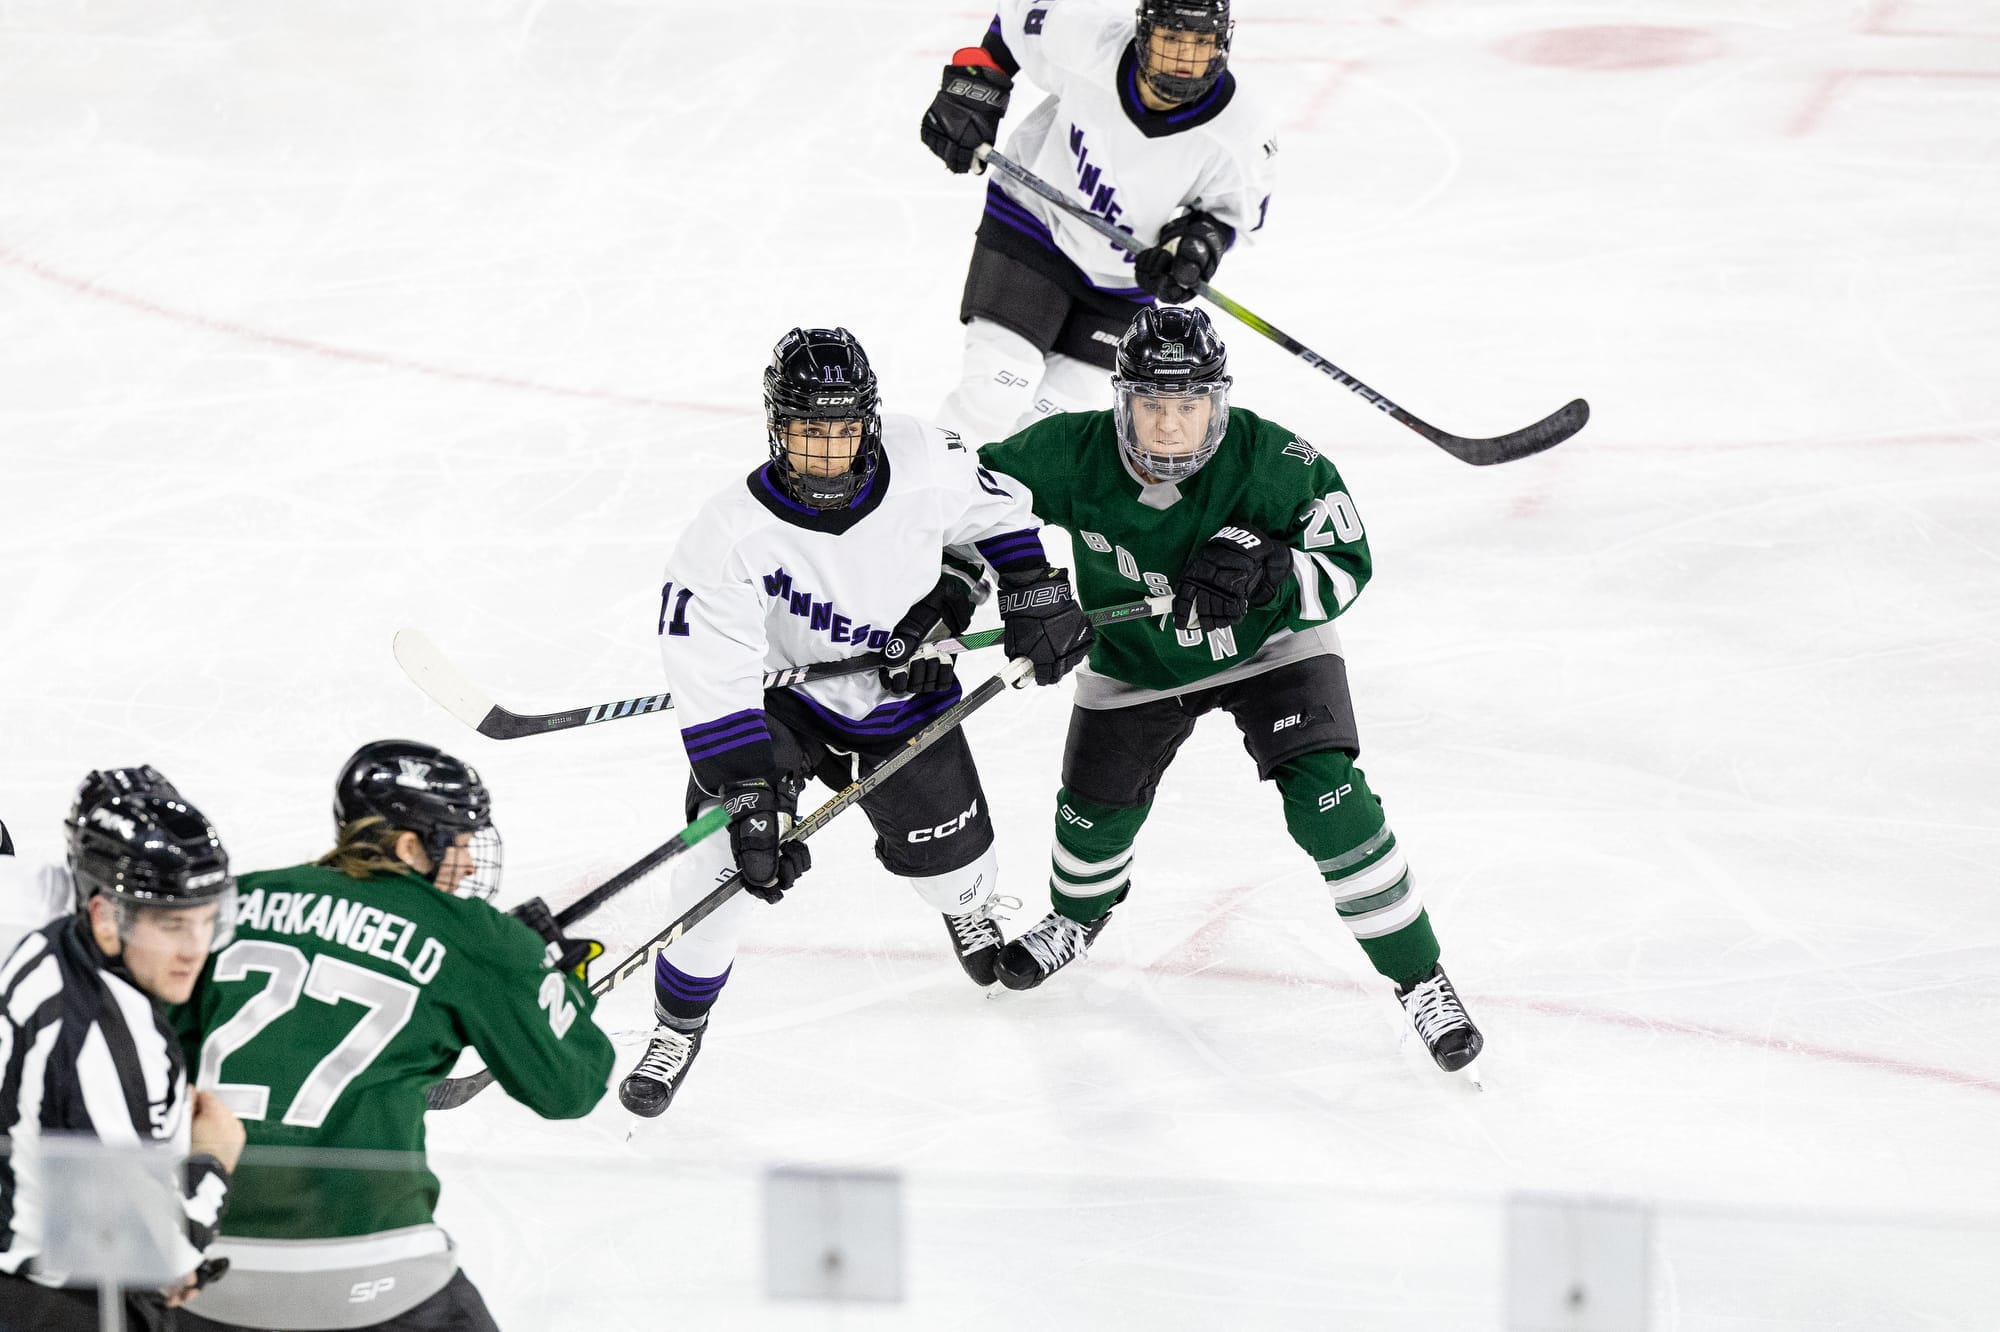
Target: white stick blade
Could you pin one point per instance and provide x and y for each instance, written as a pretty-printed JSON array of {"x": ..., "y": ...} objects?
[{"x": 428, "y": 669}]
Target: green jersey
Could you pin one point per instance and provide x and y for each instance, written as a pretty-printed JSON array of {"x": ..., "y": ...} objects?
[
  {"x": 1132, "y": 539},
  {"x": 337, "y": 1006}
]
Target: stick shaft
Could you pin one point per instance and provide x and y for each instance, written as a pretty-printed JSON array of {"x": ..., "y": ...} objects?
[{"x": 1546, "y": 433}]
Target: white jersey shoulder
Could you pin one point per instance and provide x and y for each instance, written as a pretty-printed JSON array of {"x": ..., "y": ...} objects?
[
  {"x": 1084, "y": 140},
  {"x": 750, "y": 590},
  {"x": 30, "y": 897}
]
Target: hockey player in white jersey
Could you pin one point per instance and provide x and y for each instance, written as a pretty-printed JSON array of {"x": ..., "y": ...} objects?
[
  {"x": 30, "y": 895},
  {"x": 1148, "y": 127},
  {"x": 830, "y": 550}
]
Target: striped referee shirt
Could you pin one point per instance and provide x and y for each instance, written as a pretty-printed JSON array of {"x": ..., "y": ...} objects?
[{"x": 84, "y": 1050}]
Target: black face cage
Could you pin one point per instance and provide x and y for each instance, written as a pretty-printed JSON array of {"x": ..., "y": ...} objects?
[
  {"x": 1175, "y": 87},
  {"x": 482, "y": 881},
  {"x": 784, "y": 404}
]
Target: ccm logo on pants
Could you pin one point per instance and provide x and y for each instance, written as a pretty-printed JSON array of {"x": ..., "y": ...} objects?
[{"x": 944, "y": 830}]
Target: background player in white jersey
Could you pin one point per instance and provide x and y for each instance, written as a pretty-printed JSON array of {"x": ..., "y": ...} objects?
[
  {"x": 830, "y": 550},
  {"x": 30, "y": 895},
  {"x": 1147, "y": 125}
]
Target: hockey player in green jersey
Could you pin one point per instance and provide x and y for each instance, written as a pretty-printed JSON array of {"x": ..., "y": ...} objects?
[
  {"x": 349, "y": 990},
  {"x": 1253, "y": 533}
]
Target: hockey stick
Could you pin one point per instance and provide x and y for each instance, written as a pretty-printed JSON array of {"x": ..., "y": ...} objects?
[
  {"x": 1546, "y": 433},
  {"x": 453, "y": 1092},
  {"x": 448, "y": 686},
  {"x": 457, "y": 1091}
]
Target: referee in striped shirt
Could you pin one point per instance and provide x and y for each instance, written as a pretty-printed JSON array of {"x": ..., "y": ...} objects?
[{"x": 85, "y": 1047}]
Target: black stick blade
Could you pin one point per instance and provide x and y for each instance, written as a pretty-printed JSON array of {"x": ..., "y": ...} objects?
[{"x": 1544, "y": 434}]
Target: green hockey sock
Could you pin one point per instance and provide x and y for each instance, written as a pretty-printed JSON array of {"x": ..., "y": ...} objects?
[
  {"x": 1090, "y": 866},
  {"x": 1339, "y": 822}
]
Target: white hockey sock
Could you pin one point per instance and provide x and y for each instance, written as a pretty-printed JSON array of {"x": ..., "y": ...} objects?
[
  {"x": 956, "y": 892},
  {"x": 996, "y": 386},
  {"x": 1068, "y": 385},
  {"x": 708, "y": 948}
]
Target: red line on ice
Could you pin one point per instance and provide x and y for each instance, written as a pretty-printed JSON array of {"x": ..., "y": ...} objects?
[
  {"x": 330, "y": 351},
  {"x": 1168, "y": 966}
]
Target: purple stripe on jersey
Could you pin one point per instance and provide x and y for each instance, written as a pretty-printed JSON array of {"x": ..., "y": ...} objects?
[
  {"x": 1019, "y": 548},
  {"x": 1003, "y": 209},
  {"x": 744, "y": 730},
  {"x": 709, "y": 750},
  {"x": 1214, "y": 91},
  {"x": 993, "y": 28},
  {"x": 693, "y": 989},
  {"x": 701, "y": 729},
  {"x": 890, "y": 718}
]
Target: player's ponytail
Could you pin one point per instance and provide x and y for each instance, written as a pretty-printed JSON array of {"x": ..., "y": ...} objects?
[{"x": 365, "y": 849}]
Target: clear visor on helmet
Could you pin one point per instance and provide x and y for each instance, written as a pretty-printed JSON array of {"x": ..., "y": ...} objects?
[
  {"x": 169, "y": 917},
  {"x": 1169, "y": 433}
]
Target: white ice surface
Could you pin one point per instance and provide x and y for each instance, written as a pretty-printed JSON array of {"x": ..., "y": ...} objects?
[{"x": 320, "y": 319}]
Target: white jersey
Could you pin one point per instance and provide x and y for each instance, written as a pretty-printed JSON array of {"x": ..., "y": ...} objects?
[
  {"x": 758, "y": 583},
  {"x": 30, "y": 897},
  {"x": 1136, "y": 168}
]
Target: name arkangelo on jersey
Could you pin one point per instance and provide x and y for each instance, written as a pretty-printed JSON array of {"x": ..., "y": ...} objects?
[{"x": 1136, "y": 168}]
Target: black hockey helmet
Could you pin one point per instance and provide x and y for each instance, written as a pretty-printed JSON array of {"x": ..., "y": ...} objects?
[
  {"x": 1210, "y": 16},
  {"x": 419, "y": 788},
  {"x": 821, "y": 374},
  {"x": 1168, "y": 360},
  {"x": 134, "y": 840}
]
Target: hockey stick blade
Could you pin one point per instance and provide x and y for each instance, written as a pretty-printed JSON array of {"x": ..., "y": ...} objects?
[
  {"x": 437, "y": 677},
  {"x": 1546, "y": 433}
]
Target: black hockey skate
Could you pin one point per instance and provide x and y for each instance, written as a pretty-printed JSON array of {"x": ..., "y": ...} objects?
[
  {"x": 976, "y": 938},
  {"x": 1439, "y": 1017},
  {"x": 1046, "y": 949},
  {"x": 649, "y": 1088}
]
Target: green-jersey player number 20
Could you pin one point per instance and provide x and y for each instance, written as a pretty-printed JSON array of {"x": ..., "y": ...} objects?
[
  {"x": 1335, "y": 511},
  {"x": 325, "y": 979}
]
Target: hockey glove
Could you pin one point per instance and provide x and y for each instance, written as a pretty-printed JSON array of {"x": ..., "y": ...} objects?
[
  {"x": 563, "y": 953},
  {"x": 1190, "y": 248},
  {"x": 948, "y": 604},
  {"x": 759, "y": 812},
  {"x": 1232, "y": 571},
  {"x": 965, "y": 114},
  {"x": 1043, "y": 623}
]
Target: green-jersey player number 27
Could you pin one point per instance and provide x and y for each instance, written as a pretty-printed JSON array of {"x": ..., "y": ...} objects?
[{"x": 324, "y": 979}]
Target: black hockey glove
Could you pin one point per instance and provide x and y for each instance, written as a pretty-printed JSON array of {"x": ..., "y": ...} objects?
[
  {"x": 759, "y": 812},
  {"x": 1044, "y": 623},
  {"x": 1172, "y": 274},
  {"x": 1232, "y": 571},
  {"x": 948, "y": 604},
  {"x": 966, "y": 112},
  {"x": 563, "y": 953}
]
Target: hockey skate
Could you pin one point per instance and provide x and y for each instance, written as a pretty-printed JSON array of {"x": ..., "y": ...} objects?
[
  {"x": 649, "y": 1088},
  {"x": 1439, "y": 1017},
  {"x": 976, "y": 939},
  {"x": 1046, "y": 949}
]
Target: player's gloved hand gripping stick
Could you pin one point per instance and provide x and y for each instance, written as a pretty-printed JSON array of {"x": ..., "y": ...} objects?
[
  {"x": 433, "y": 673},
  {"x": 1546, "y": 433},
  {"x": 457, "y": 1091}
]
